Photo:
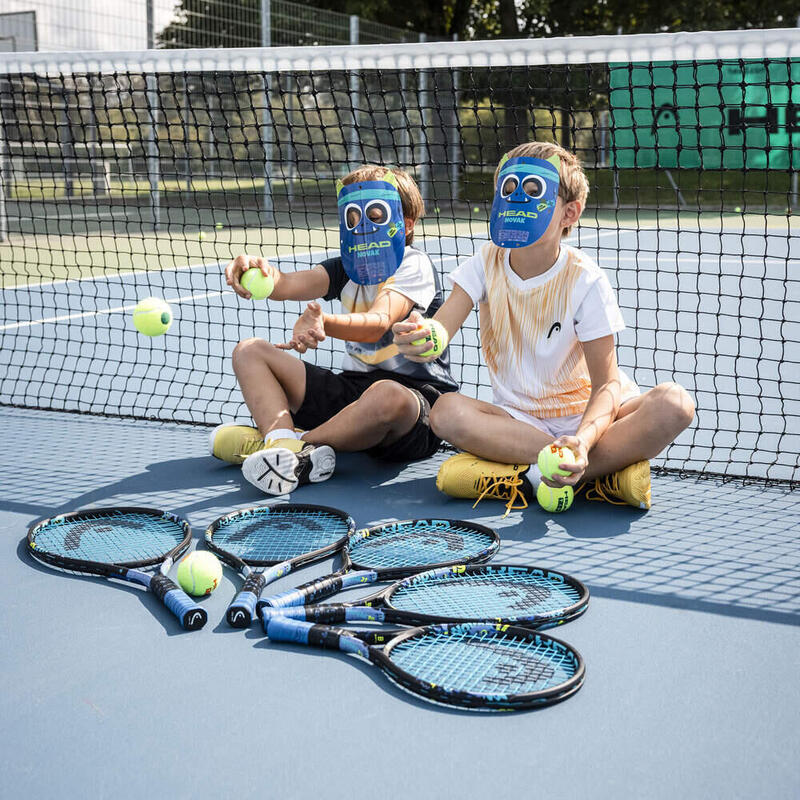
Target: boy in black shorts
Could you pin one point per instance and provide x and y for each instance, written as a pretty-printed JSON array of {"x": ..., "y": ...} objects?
[{"x": 380, "y": 402}]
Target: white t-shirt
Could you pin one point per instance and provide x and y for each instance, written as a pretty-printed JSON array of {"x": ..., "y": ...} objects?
[{"x": 531, "y": 330}]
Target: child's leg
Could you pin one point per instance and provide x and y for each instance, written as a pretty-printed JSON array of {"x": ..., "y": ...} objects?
[
  {"x": 644, "y": 426},
  {"x": 272, "y": 381},
  {"x": 485, "y": 430},
  {"x": 383, "y": 414}
]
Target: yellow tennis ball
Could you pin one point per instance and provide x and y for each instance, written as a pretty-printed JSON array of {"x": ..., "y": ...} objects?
[
  {"x": 257, "y": 283},
  {"x": 555, "y": 500},
  {"x": 201, "y": 235},
  {"x": 199, "y": 573},
  {"x": 438, "y": 338},
  {"x": 551, "y": 456},
  {"x": 152, "y": 316}
]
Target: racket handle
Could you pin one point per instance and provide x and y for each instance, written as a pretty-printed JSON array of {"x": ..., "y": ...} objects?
[
  {"x": 319, "y": 590},
  {"x": 191, "y": 616},
  {"x": 331, "y": 614},
  {"x": 282, "y": 629},
  {"x": 242, "y": 610}
]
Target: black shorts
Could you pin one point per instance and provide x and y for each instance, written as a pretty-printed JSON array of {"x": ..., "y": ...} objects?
[{"x": 327, "y": 393}]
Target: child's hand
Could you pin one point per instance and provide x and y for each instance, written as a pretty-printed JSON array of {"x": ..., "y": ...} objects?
[
  {"x": 411, "y": 330},
  {"x": 308, "y": 331},
  {"x": 240, "y": 265},
  {"x": 577, "y": 469}
]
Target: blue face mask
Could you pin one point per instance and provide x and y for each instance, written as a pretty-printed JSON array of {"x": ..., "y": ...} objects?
[
  {"x": 524, "y": 200},
  {"x": 372, "y": 233}
]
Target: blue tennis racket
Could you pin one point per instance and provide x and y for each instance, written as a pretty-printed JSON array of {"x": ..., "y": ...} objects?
[
  {"x": 267, "y": 542},
  {"x": 396, "y": 550},
  {"x": 479, "y": 666},
  {"x": 120, "y": 543}
]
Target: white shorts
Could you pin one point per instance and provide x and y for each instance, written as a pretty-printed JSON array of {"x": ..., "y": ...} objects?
[{"x": 557, "y": 426}]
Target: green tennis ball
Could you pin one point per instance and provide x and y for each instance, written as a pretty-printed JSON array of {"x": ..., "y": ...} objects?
[
  {"x": 438, "y": 338},
  {"x": 201, "y": 235},
  {"x": 475, "y": 209},
  {"x": 738, "y": 209},
  {"x": 257, "y": 283},
  {"x": 152, "y": 316},
  {"x": 219, "y": 226},
  {"x": 551, "y": 456},
  {"x": 199, "y": 573},
  {"x": 555, "y": 500}
]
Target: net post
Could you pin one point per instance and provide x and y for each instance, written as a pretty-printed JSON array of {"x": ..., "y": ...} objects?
[
  {"x": 3, "y": 213},
  {"x": 267, "y": 208},
  {"x": 424, "y": 172},
  {"x": 151, "y": 149},
  {"x": 354, "y": 98},
  {"x": 455, "y": 138}
]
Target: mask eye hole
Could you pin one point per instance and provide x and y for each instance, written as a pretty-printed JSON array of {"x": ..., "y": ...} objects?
[
  {"x": 534, "y": 186},
  {"x": 378, "y": 212},
  {"x": 352, "y": 216},
  {"x": 508, "y": 186}
]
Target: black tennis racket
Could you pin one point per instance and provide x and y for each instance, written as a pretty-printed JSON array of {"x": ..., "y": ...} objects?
[
  {"x": 528, "y": 596},
  {"x": 267, "y": 542},
  {"x": 396, "y": 550},
  {"x": 476, "y": 666},
  {"x": 120, "y": 543}
]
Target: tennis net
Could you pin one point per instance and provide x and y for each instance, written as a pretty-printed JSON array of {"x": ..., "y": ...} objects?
[{"x": 136, "y": 174}]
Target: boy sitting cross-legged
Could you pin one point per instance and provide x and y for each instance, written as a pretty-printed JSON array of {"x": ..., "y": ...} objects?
[
  {"x": 548, "y": 317},
  {"x": 380, "y": 402}
]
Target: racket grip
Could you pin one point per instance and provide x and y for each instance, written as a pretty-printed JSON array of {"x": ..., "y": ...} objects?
[
  {"x": 242, "y": 610},
  {"x": 319, "y": 590},
  {"x": 191, "y": 616},
  {"x": 282, "y": 629},
  {"x": 331, "y": 614}
]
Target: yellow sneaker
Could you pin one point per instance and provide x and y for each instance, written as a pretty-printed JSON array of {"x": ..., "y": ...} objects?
[
  {"x": 233, "y": 443},
  {"x": 466, "y": 475},
  {"x": 629, "y": 486}
]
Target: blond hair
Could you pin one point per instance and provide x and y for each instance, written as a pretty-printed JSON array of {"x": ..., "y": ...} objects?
[
  {"x": 572, "y": 185},
  {"x": 413, "y": 207}
]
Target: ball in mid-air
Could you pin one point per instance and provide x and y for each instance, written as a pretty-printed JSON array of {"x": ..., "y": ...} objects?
[
  {"x": 551, "y": 456},
  {"x": 199, "y": 573},
  {"x": 257, "y": 283},
  {"x": 555, "y": 500},
  {"x": 438, "y": 338},
  {"x": 152, "y": 316}
]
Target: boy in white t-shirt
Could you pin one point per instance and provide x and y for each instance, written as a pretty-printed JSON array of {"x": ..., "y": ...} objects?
[
  {"x": 548, "y": 317},
  {"x": 380, "y": 402}
]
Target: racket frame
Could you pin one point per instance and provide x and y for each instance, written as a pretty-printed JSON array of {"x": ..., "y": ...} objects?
[
  {"x": 352, "y": 573},
  {"x": 280, "y": 628},
  {"x": 259, "y": 573},
  {"x": 189, "y": 613}
]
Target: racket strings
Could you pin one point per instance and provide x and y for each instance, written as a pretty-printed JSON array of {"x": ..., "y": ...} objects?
[
  {"x": 485, "y": 662},
  {"x": 288, "y": 535},
  {"x": 486, "y": 596},
  {"x": 418, "y": 545},
  {"x": 116, "y": 537}
]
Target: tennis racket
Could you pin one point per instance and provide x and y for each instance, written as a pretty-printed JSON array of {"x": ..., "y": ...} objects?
[
  {"x": 512, "y": 595},
  {"x": 266, "y": 542},
  {"x": 476, "y": 666},
  {"x": 120, "y": 543},
  {"x": 396, "y": 550}
]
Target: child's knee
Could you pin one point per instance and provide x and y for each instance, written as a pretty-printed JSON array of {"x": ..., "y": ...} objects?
[
  {"x": 253, "y": 349},
  {"x": 675, "y": 406},
  {"x": 447, "y": 416},
  {"x": 390, "y": 402}
]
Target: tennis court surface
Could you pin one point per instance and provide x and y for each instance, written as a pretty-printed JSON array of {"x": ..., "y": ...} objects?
[{"x": 167, "y": 164}]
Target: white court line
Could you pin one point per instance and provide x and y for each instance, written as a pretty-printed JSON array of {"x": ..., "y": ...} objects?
[{"x": 98, "y": 312}]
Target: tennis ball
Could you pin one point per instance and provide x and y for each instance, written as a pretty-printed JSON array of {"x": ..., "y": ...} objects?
[
  {"x": 152, "y": 316},
  {"x": 257, "y": 283},
  {"x": 475, "y": 209},
  {"x": 199, "y": 573},
  {"x": 219, "y": 226},
  {"x": 738, "y": 209},
  {"x": 555, "y": 500},
  {"x": 438, "y": 338},
  {"x": 201, "y": 235},
  {"x": 551, "y": 456}
]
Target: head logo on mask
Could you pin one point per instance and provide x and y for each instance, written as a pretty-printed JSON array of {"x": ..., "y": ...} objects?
[
  {"x": 524, "y": 200},
  {"x": 372, "y": 233}
]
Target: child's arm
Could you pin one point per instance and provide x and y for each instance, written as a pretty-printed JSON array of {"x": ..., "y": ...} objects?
[
  {"x": 369, "y": 326},
  {"x": 452, "y": 314},
  {"x": 600, "y": 411},
  {"x": 307, "y": 284}
]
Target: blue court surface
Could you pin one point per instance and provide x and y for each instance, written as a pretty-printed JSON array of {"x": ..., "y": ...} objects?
[{"x": 691, "y": 641}]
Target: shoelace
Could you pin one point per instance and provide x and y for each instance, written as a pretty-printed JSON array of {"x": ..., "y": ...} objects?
[
  {"x": 501, "y": 488},
  {"x": 605, "y": 489}
]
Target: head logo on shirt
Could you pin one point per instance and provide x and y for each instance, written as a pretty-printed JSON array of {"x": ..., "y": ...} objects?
[
  {"x": 554, "y": 328},
  {"x": 371, "y": 229},
  {"x": 524, "y": 200}
]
